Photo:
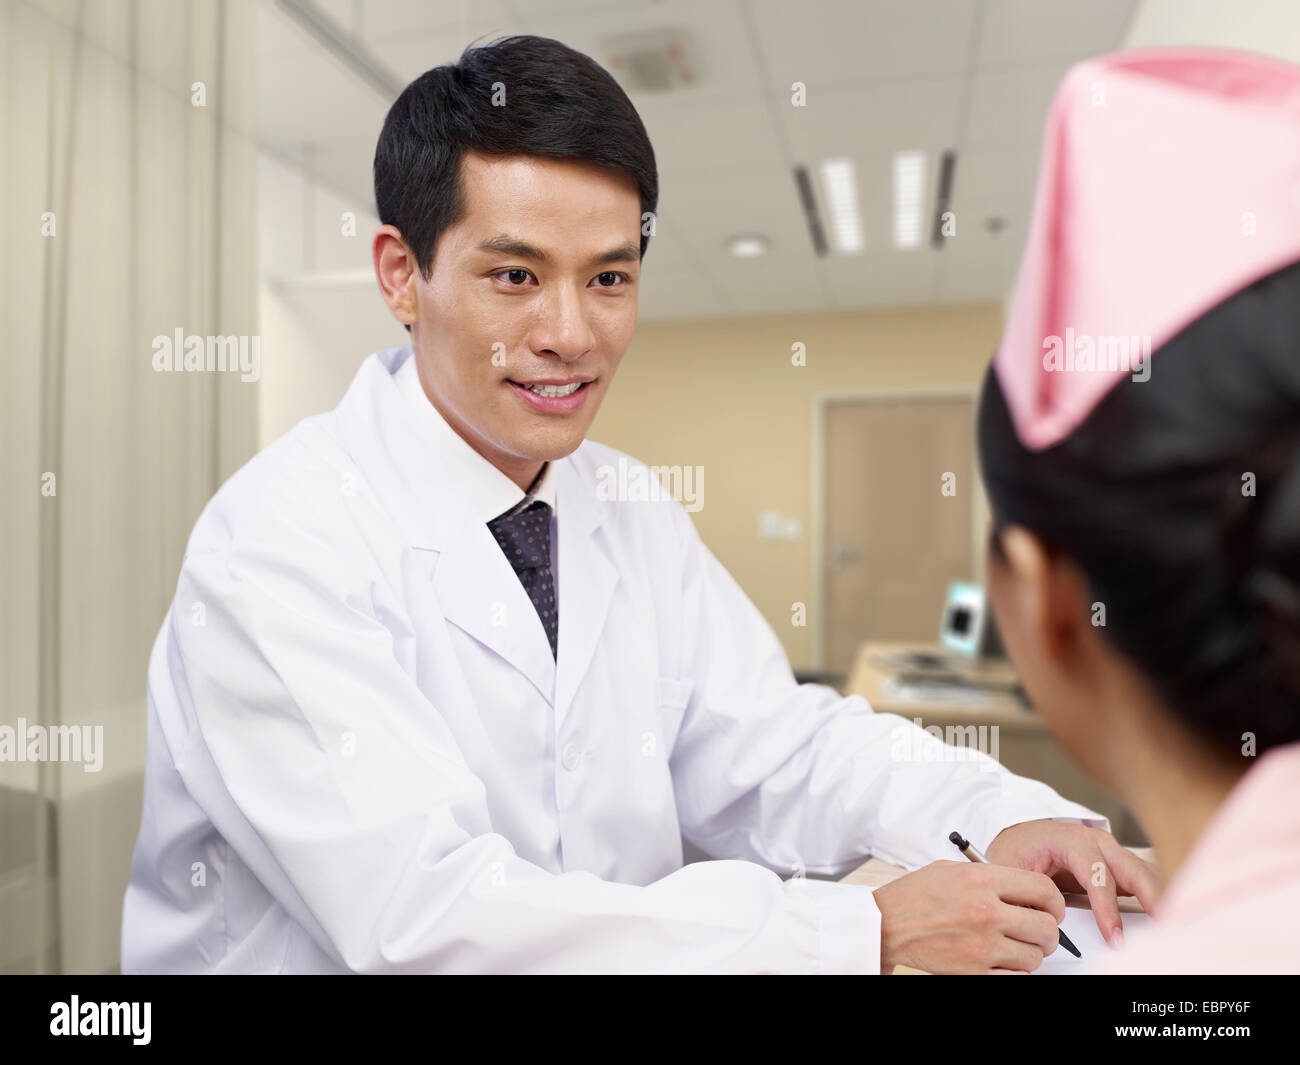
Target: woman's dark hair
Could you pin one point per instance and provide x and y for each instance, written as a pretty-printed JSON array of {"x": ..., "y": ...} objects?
[
  {"x": 515, "y": 96},
  {"x": 1179, "y": 497}
]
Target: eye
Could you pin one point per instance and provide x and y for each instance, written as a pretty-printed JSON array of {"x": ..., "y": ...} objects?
[
  {"x": 610, "y": 278},
  {"x": 516, "y": 276}
]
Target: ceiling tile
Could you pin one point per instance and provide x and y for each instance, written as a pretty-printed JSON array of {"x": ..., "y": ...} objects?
[
  {"x": 1020, "y": 32},
  {"x": 875, "y": 118},
  {"x": 1009, "y": 108},
  {"x": 979, "y": 264},
  {"x": 719, "y": 52},
  {"x": 732, "y": 134},
  {"x": 1002, "y": 178},
  {"x": 837, "y": 41},
  {"x": 385, "y": 21},
  {"x": 881, "y": 279}
]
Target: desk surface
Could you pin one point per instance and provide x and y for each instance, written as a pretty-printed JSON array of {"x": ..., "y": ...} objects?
[{"x": 872, "y": 672}]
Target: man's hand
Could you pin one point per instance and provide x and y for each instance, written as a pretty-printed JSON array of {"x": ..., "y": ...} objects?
[
  {"x": 1080, "y": 859},
  {"x": 956, "y": 917}
]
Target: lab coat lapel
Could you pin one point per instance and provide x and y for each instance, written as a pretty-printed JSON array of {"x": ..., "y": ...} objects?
[
  {"x": 477, "y": 589},
  {"x": 481, "y": 594},
  {"x": 587, "y": 578}
]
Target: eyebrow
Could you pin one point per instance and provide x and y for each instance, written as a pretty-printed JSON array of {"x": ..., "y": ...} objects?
[{"x": 505, "y": 245}]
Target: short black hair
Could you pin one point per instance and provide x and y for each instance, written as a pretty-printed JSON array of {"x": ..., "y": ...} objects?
[
  {"x": 1201, "y": 580},
  {"x": 558, "y": 103}
]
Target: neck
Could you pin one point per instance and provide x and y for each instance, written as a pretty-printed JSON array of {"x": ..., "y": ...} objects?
[
  {"x": 523, "y": 472},
  {"x": 1175, "y": 784},
  {"x": 525, "y": 476}
]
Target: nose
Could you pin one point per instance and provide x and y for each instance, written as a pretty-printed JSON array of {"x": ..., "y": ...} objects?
[{"x": 562, "y": 326}]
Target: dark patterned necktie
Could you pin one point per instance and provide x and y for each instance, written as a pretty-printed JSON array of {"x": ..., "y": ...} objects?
[{"x": 525, "y": 537}]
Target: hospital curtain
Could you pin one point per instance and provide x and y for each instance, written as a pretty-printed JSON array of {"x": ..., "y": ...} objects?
[{"x": 127, "y": 212}]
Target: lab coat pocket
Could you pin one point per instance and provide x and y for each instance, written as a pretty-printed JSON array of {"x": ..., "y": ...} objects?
[{"x": 673, "y": 698}]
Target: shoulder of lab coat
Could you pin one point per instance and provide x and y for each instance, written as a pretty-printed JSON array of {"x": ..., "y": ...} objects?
[
  {"x": 797, "y": 777},
  {"x": 387, "y": 856}
]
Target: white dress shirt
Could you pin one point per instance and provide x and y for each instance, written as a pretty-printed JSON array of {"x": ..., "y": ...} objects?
[{"x": 488, "y": 491}]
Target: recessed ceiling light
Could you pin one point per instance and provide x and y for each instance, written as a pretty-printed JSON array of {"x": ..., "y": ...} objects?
[
  {"x": 840, "y": 184},
  {"x": 909, "y": 197},
  {"x": 747, "y": 246}
]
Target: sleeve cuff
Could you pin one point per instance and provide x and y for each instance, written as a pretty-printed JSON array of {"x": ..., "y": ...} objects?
[
  {"x": 1091, "y": 822},
  {"x": 848, "y": 922},
  {"x": 1061, "y": 810}
]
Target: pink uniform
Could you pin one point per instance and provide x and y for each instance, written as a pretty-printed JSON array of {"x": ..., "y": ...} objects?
[{"x": 1234, "y": 904}]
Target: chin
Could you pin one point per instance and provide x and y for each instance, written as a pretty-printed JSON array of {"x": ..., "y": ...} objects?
[
  {"x": 541, "y": 446},
  {"x": 561, "y": 447}
]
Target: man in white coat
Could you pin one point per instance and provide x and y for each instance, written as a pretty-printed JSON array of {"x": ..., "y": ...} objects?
[{"x": 428, "y": 699}]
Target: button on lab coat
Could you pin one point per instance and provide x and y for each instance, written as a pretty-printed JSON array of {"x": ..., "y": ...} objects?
[{"x": 363, "y": 757}]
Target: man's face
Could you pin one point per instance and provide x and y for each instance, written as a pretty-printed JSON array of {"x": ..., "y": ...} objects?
[{"x": 535, "y": 286}]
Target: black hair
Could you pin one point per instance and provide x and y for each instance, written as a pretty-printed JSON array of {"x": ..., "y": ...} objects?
[
  {"x": 1151, "y": 496},
  {"x": 558, "y": 103}
]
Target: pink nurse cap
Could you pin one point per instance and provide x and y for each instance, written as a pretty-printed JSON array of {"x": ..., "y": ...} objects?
[{"x": 1169, "y": 180}]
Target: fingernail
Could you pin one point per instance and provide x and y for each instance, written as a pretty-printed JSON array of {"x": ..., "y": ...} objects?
[{"x": 1117, "y": 938}]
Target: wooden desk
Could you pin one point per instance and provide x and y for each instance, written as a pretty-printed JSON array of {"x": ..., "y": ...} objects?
[
  {"x": 871, "y": 675},
  {"x": 1025, "y": 745},
  {"x": 876, "y": 873}
]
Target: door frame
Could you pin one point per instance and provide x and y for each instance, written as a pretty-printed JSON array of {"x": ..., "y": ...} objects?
[{"x": 823, "y": 400}]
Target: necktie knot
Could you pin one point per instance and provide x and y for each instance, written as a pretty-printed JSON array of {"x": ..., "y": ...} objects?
[{"x": 525, "y": 536}]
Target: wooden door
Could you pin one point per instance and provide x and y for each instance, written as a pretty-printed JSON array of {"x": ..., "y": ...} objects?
[{"x": 893, "y": 537}]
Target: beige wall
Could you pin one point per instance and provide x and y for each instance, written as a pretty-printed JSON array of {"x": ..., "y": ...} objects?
[{"x": 723, "y": 394}]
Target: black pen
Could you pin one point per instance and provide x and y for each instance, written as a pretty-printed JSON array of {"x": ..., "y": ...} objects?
[{"x": 972, "y": 853}]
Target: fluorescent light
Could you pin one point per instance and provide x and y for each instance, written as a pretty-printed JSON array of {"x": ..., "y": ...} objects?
[
  {"x": 840, "y": 184},
  {"x": 909, "y": 198},
  {"x": 747, "y": 246}
]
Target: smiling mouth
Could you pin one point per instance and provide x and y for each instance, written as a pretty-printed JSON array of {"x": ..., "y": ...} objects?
[{"x": 553, "y": 391}]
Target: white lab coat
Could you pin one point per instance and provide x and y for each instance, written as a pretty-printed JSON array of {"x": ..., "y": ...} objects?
[{"x": 363, "y": 757}]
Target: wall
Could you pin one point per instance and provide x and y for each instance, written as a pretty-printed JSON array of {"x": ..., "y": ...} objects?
[
  {"x": 1268, "y": 26},
  {"x": 105, "y": 462},
  {"x": 317, "y": 332},
  {"x": 723, "y": 395}
]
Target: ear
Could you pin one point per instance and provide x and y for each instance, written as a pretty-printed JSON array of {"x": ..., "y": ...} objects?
[
  {"x": 1051, "y": 597},
  {"x": 396, "y": 270}
]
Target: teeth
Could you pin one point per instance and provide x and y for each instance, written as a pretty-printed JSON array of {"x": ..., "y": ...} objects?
[{"x": 555, "y": 390}]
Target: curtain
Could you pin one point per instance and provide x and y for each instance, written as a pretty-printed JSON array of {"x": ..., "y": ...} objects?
[{"x": 128, "y": 184}]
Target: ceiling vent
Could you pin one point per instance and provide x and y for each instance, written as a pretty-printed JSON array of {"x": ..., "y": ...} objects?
[{"x": 657, "y": 61}]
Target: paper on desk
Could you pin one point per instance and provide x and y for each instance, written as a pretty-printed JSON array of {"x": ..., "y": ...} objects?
[{"x": 1081, "y": 926}]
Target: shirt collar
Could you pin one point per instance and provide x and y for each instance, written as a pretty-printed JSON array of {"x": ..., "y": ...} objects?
[{"x": 488, "y": 491}]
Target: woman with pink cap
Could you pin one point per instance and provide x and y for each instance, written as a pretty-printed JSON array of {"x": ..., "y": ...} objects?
[{"x": 1139, "y": 435}]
